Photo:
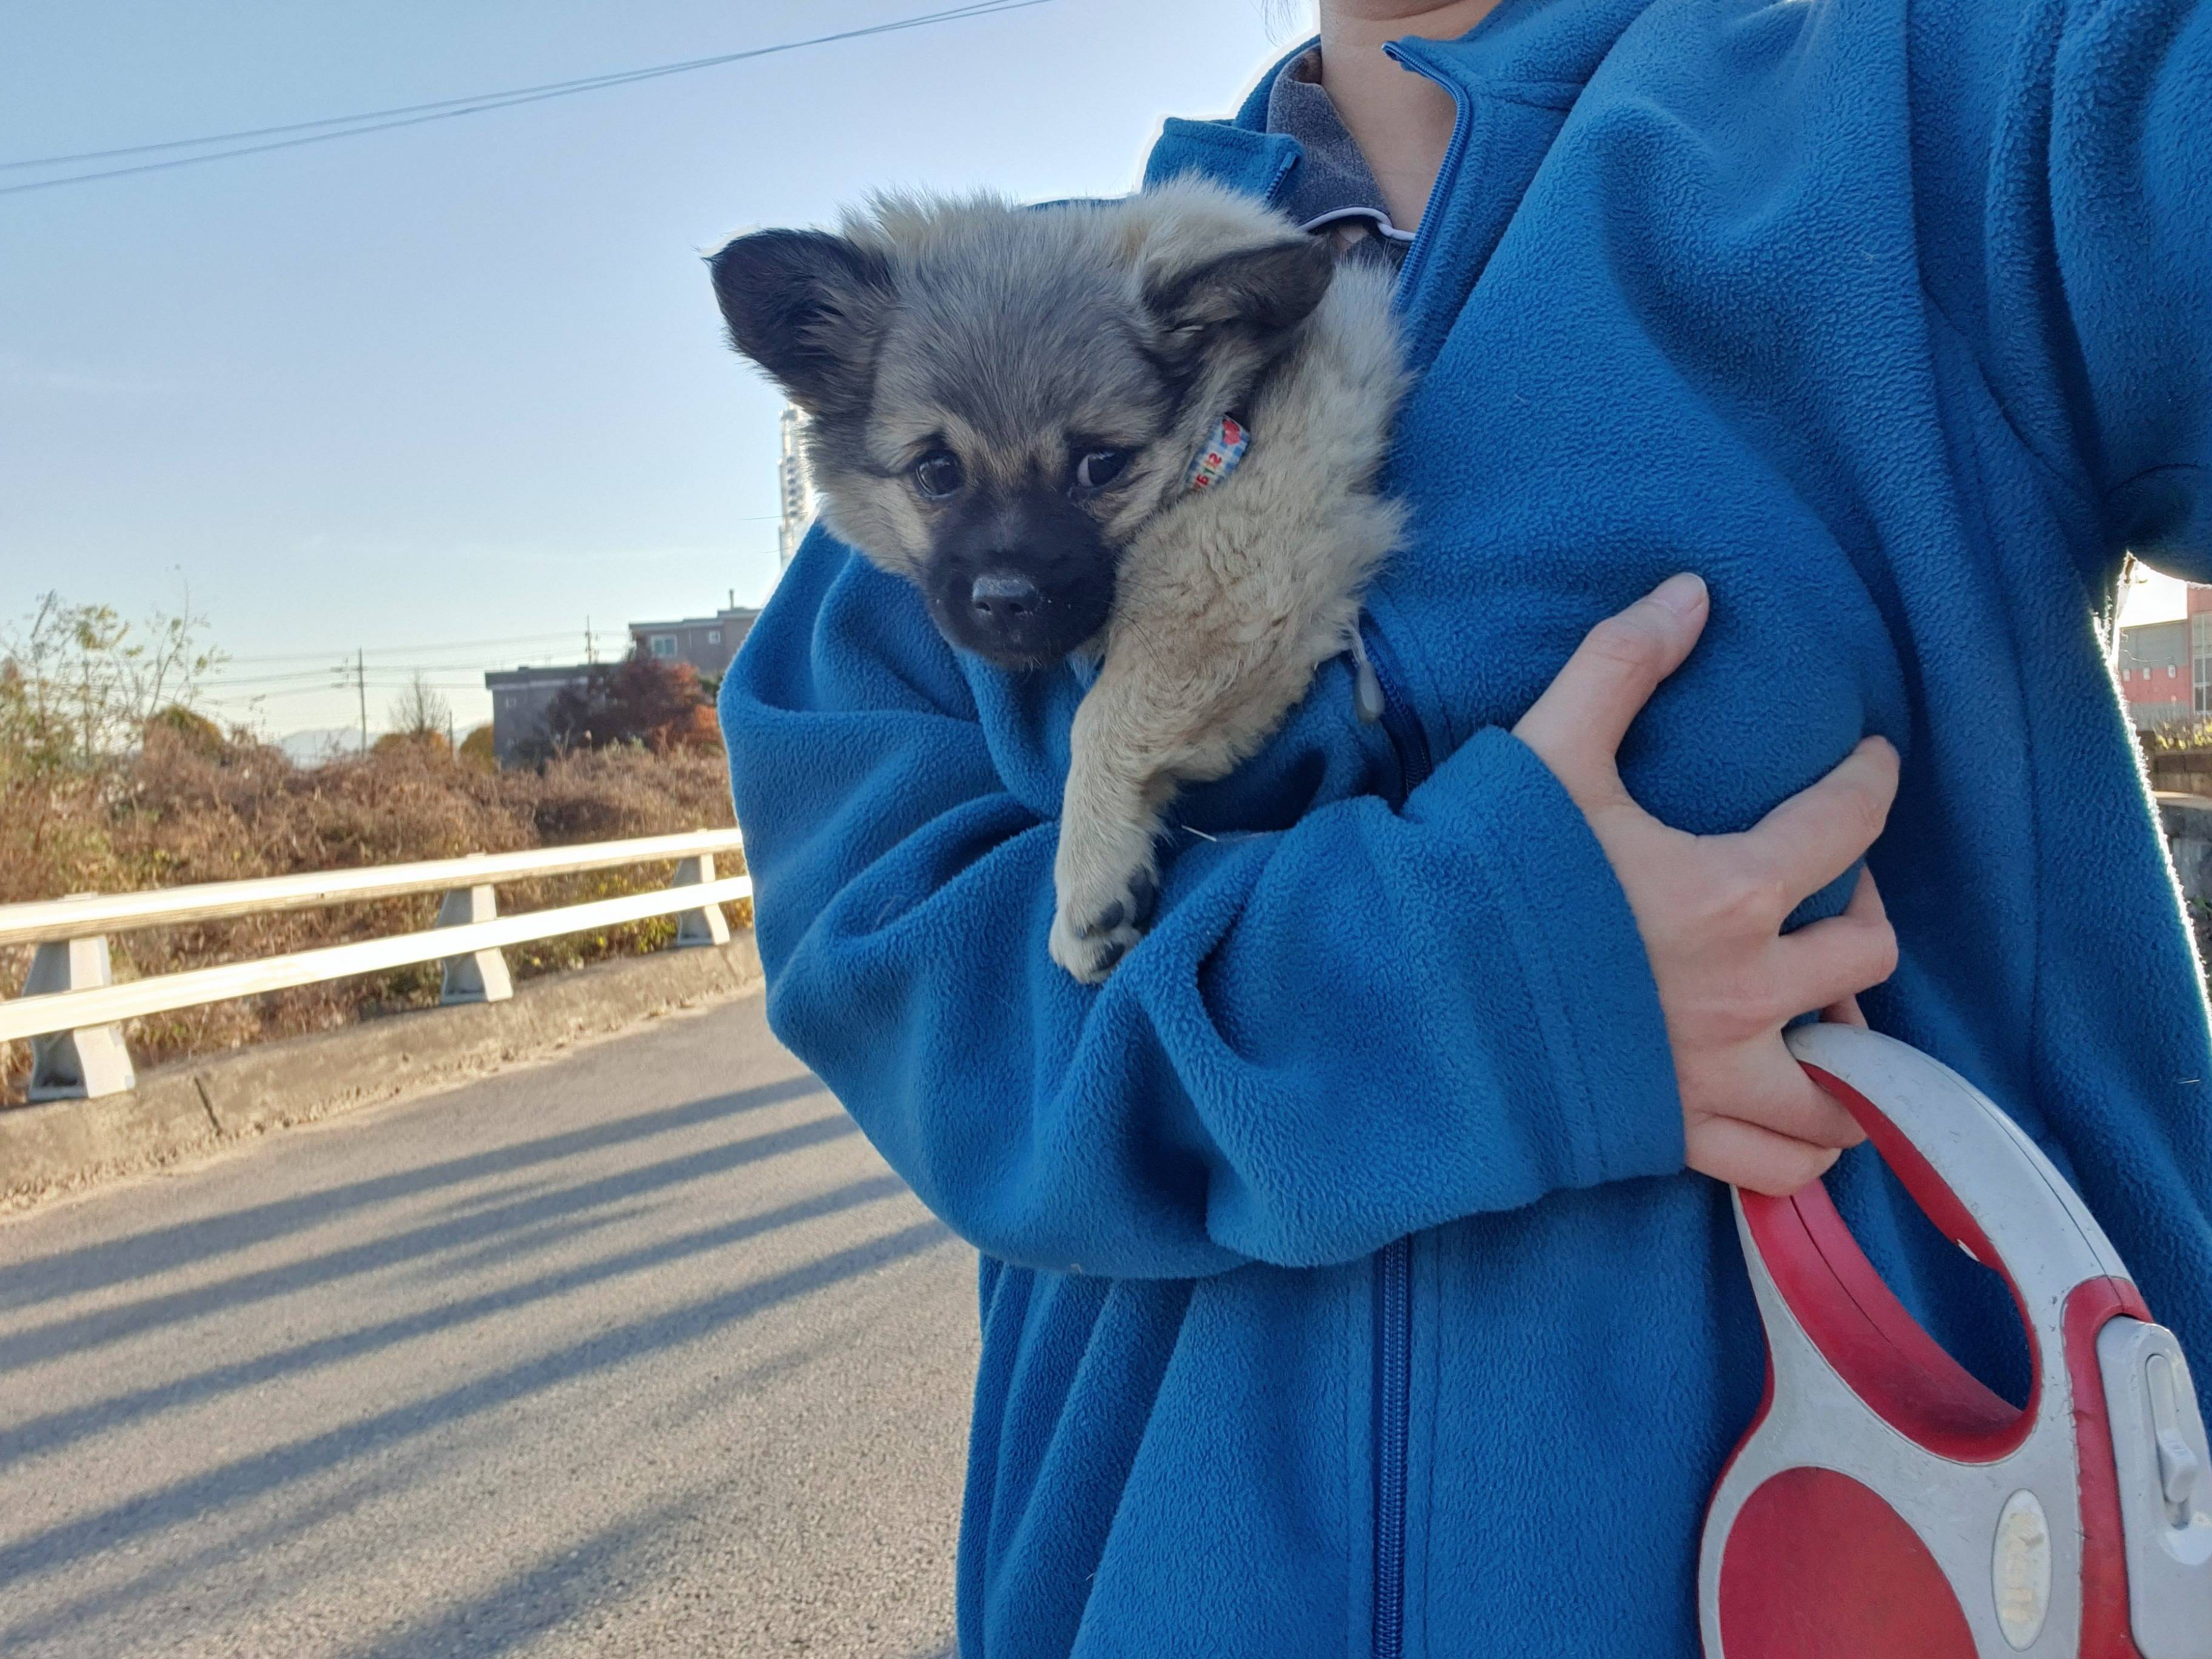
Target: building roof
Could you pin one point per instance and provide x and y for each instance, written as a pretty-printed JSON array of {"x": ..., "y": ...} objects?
[
  {"x": 734, "y": 613},
  {"x": 528, "y": 673}
]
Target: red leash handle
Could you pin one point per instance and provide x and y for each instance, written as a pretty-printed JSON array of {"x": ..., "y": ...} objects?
[
  {"x": 1885, "y": 1502},
  {"x": 1856, "y": 1322}
]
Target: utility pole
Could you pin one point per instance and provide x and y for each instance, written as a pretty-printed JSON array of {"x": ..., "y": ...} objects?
[
  {"x": 590, "y": 649},
  {"x": 361, "y": 685}
]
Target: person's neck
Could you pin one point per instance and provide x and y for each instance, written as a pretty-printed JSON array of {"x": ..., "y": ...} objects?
[{"x": 1403, "y": 122}]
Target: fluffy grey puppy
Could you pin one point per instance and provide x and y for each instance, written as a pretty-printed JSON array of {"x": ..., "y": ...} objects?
[{"x": 1034, "y": 415}]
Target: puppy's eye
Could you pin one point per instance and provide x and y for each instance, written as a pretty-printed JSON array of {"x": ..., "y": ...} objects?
[
  {"x": 938, "y": 475},
  {"x": 1096, "y": 468}
]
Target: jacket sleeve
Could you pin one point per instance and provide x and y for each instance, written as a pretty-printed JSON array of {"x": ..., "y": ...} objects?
[
  {"x": 2098, "y": 221},
  {"x": 1335, "y": 1034}
]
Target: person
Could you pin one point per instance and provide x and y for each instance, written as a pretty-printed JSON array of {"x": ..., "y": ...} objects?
[{"x": 1358, "y": 1270}]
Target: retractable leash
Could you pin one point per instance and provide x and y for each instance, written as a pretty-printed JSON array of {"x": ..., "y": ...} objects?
[{"x": 1885, "y": 1504}]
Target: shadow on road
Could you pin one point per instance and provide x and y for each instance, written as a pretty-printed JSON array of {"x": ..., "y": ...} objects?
[
  {"x": 525, "y": 1606},
  {"x": 158, "y": 1249},
  {"x": 647, "y": 1353},
  {"x": 548, "y": 1595},
  {"x": 190, "y": 1501},
  {"x": 79, "y": 1332},
  {"x": 41, "y": 1434}
]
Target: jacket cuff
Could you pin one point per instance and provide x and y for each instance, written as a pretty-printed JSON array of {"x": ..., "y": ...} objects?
[{"x": 1589, "y": 978}]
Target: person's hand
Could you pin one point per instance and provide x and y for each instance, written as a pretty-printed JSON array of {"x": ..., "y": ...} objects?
[{"x": 1711, "y": 908}]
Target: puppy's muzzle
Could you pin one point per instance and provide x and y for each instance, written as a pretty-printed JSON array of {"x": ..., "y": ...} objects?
[
  {"x": 1014, "y": 620},
  {"x": 1004, "y": 601},
  {"x": 1021, "y": 583}
]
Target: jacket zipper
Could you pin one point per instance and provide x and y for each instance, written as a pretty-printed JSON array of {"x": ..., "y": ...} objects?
[
  {"x": 1399, "y": 724},
  {"x": 1394, "y": 1378},
  {"x": 1423, "y": 334},
  {"x": 1394, "y": 1262}
]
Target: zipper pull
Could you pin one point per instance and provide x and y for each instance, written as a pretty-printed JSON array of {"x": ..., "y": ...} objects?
[{"x": 1366, "y": 685}]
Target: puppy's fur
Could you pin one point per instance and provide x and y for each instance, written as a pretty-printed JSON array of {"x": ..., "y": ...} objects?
[{"x": 1042, "y": 350}]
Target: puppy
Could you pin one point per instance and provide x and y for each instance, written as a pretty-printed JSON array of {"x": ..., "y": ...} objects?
[{"x": 1146, "y": 431}]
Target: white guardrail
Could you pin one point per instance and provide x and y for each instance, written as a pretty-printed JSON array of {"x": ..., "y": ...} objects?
[{"x": 72, "y": 1009}]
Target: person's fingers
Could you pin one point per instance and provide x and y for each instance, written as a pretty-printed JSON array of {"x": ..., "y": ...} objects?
[
  {"x": 1844, "y": 1011},
  {"x": 1745, "y": 1155},
  {"x": 1777, "y": 1095},
  {"x": 1866, "y": 902},
  {"x": 1576, "y": 725},
  {"x": 1866, "y": 899},
  {"x": 1825, "y": 962},
  {"x": 1823, "y": 830}
]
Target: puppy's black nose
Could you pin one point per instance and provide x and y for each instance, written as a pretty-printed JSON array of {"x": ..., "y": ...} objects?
[{"x": 1001, "y": 600}]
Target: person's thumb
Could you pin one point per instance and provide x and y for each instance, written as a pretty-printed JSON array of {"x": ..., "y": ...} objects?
[{"x": 1576, "y": 725}]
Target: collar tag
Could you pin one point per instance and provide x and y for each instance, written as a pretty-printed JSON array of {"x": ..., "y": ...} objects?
[{"x": 1218, "y": 455}]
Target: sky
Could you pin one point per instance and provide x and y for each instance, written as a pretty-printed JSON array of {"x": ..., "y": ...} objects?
[
  {"x": 444, "y": 394},
  {"x": 2152, "y": 598}
]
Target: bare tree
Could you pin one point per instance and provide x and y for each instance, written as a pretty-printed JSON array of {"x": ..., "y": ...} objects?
[
  {"x": 420, "y": 712},
  {"x": 78, "y": 683}
]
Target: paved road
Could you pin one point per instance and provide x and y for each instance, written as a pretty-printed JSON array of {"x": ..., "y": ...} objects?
[{"x": 640, "y": 1350}]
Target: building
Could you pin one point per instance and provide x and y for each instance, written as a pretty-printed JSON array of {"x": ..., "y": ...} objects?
[
  {"x": 795, "y": 489},
  {"x": 2166, "y": 667},
  {"x": 2158, "y": 681},
  {"x": 707, "y": 643},
  {"x": 521, "y": 698}
]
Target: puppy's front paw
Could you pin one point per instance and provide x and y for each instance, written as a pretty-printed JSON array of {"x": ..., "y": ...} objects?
[{"x": 1097, "y": 924}]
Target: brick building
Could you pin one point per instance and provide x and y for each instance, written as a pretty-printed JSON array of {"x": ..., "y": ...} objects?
[{"x": 2166, "y": 667}]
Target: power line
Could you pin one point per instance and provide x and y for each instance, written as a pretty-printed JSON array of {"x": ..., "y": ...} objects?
[
  {"x": 336, "y": 688},
  {"x": 428, "y": 665},
  {"x": 380, "y": 673},
  {"x": 317, "y": 675},
  {"x": 488, "y": 99},
  {"x": 408, "y": 115},
  {"x": 343, "y": 674},
  {"x": 427, "y": 647},
  {"x": 336, "y": 670}
]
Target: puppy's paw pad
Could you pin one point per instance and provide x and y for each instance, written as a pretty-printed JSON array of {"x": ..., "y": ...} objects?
[
  {"x": 1144, "y": 898},
  {"x": 1132, "y": 908},
  {"x": 1104, "y": 922},
  {"x": 1092, "y": 952},
  {"x": 1093, "y": 960},
  {"x": 1090, "y": 947},
  {"x": 1101, "y": 922}
]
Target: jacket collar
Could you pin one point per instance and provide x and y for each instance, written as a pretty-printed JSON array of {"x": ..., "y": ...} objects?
[
  {"x": 1239, "y": 154},
  {"x": 1538, "y": 53}
]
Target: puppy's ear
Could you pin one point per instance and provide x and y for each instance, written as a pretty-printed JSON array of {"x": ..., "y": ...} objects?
[
  {"x": 1260, "y": 290},
  {"x": 808, "y": 307}
]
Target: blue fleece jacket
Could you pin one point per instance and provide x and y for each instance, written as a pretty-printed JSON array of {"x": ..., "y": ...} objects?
[{"x": 1343, "y": 1291}]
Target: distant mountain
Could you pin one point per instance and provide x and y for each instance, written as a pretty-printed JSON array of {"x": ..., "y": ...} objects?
[{"x": 321, "y": 743}]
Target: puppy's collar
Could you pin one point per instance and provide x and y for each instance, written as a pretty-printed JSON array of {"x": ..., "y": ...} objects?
[{"x": 1218, "y": 455}]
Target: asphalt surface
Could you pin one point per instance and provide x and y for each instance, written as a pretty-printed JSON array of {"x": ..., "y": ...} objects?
[{"x": 638, "y": 1351}]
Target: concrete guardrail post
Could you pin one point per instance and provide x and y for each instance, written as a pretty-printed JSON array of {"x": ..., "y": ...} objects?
[
  {"x": 703, "y": 927},
  {"x": 480, "y": 975},
  {"x": 82, "y": 1064}
]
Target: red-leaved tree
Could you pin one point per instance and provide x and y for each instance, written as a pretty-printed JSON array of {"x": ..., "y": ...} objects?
[{"x": 640, "y": 700}]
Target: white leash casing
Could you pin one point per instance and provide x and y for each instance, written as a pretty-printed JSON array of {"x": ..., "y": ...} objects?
[{"x": 1885, "y": 1504}]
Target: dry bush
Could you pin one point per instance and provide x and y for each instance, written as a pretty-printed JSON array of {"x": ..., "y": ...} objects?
[
  {"x": 2191, "y": 737},
  {"x": 179, "y": 812}
]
